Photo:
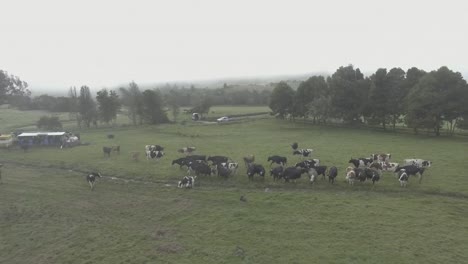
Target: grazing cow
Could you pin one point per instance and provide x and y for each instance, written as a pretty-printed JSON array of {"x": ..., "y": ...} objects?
[
  {"x": 181, "y": 162},
  {"x": 110, "y": 136},
  {"x": 154, "y": 154},
  {"x": 107, "y": 151},
  {"x": 277, "y": 172},
  {"x": 332, "y": 173},
  {"x": 293, "y": 173},
  {"x": 303, "y": 152},
  {"x": 91, "y": 178},
  {"x": 196, "y": 157},
  {"x": 187, "y": 182},
  {"x": 403, "y": 178},
  {"x": 389, "y": 166},
  {"x": 187, "y": 150},
  {"x": 381, "y": 157},
  {"x": 249, "y": 159},
  {"x": 360, "y": 162},
  {"x": 365, "y": 173},
  {"x": 321, "y": 170},
  {"x": 215, "y": 160},
  {"x": 308, "y": 163},
  {"x": 313, "y": 175},
  {"x": 420, "y": 163},
  {"x": 200, "y": 168},
  {"x": 116, "y": 149},
  {"x": 223, "y": 171},
  {"x": 376, "y": 165},
  {"x": 350, "y": 175},
  {"x": 412, "y": 170},
  {"x": 232, "y": 166},
  {"x": 153, "y": 148},
  {"x": 255, "y": 169},
  {"x": 278, "y": 160},
  {"x": 294, "y": 145}
]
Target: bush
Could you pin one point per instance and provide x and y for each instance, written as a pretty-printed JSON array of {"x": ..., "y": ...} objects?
[{"x": 51, "y": 123}]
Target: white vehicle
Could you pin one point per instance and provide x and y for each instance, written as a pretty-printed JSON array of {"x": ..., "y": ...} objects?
[{"x": 223, "y": 119}]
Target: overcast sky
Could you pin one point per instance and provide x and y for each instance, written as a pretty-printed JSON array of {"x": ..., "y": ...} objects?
[{"x": 58, "y": 43}]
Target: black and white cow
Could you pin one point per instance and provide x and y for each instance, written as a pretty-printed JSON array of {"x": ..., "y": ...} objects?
[
  {"x": 277, "y": 172},
  {"x": 278, "y": 160},
  {"x": 255, "y": 169},
  {"x": 418, "y": 163},
  {"x": 231, "y": 166},
  {"x": 223, "y": 171},
  {"x": 403, "y": 178},
  {"x": 215, "y": 160},
  {"x": 313, "y": 175},
  {"x": 196, "y": 158},
  {"x": 294, "y": 146},
  {"x": 304, "y": 152},
  {"x": 389, "y": 166},
  {"x": 321, "y": 170},
  {"x": 360, "y": 162},
  {"x": 332, "y": 174},
  {"x": 381, "y": 157},
  {"x": 412, "y": 170},
  {"x": 154, "y": 154},
  {"x": 187, "y": 182},
  {"x": 91, "y": 179},
  {"x": 308, "y": 163}
]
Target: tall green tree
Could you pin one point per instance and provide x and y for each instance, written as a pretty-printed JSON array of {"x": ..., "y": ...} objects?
[
  {"x": 349, "y": 93},
  {"x": 11, "y": 85},
  {"x": 153, "y": 111},
  {"x": 108, "y": 105},
  {"x": 173, "y": 103},
  {"x": 87, "y": 107},
  {"x": 132, "y": 98},
  {"x": 51, "y": 123},
  {"x": 282, "y": 100},
  {"x": 438, "y": 97},
  {"x": 308, "y": 93}
]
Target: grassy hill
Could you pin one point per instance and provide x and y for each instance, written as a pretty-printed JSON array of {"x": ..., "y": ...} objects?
[{"x": 137, "y": 215}]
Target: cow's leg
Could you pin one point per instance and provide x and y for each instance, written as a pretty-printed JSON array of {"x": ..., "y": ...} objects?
[
  {"x": 91, "y": 184},
  {"x": 420, "y": 178}
]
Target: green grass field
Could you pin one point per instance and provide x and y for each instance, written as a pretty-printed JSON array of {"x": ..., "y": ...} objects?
[{"x": 137, "y": 215}]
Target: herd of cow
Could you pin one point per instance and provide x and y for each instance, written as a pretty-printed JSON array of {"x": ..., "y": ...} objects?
[{"x": 363, "y": 168}]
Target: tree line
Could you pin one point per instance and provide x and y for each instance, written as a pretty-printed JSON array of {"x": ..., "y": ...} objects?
[{"x": 419, "y": 99}]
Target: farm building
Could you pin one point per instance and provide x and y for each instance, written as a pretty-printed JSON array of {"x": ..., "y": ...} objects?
[{"x": 42, "y": 138}]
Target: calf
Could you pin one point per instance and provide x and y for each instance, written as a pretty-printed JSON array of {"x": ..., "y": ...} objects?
[
  {"x": 187, "y": 182},
  {"x": 313, "y": 175},
  {"x": 412, "y": 170},
  {"x": 278, "y": 160},
  {"x": 91, "y": 178},
  {"x": 277, "y": 172},
  {"x": 332, "y": 173},
  {"x": 215, "y": 160},
  {"x": 350, "y": 175},
  {"x": 403, "y": 178},
  {"x": 418, "y": 163},
  {"x": 107, "y": 151},
  {"x": 303, "y": 152},
  {"x": 255, "y": 169},
  {"x": 116, "y": 149}
]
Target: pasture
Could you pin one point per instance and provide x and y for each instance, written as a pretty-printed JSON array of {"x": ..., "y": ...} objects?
[{"x": 137, "y": 215}]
